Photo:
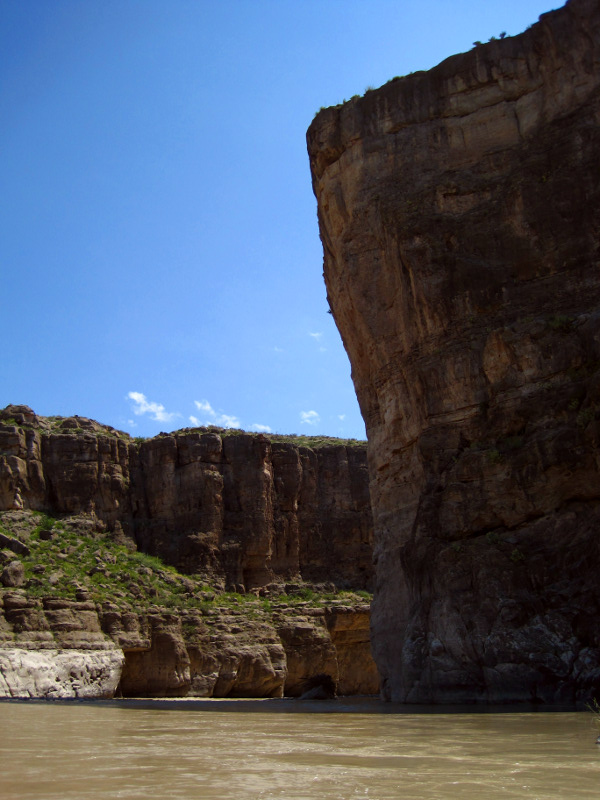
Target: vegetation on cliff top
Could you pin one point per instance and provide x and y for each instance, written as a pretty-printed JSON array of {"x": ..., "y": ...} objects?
[
  {"x": 24, "y": 418},
  {"x": 300, "y": 440}
]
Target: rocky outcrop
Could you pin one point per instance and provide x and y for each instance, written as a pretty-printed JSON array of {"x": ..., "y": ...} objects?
[
  {"x": 241, "y": 509},
  {"x": 458, "y": 211},
  {"x": 54, "y": 648},
  {"x": 349, "y": 629},
  {"x": 59, "y": 674},
  {"x": 59, "y": 648},
  {"x": 230, "y": 511}
]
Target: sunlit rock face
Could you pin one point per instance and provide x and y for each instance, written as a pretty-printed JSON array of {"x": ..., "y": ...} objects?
[
  {"x": 57, "y": 648},
  {"x": 231, "y": 510},
  {"x": 238, "y": 508},
  {"x": 458, "y": 211},
  {"x": 59, "y": 674}
]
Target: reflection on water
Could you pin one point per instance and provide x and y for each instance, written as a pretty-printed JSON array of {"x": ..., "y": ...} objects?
[{"x": 208, "y": 750}]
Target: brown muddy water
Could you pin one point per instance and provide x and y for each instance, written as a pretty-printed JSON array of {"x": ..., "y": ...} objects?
[{"x": 332, "y": 750}]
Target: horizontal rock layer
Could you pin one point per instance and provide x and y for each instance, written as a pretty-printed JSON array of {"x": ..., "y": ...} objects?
[
  {"x": 239, "y": 508},
  {"x": 458, "y": 211},
  {"x": 60, "y": 648},
  {"x": 59, "y": 674}
]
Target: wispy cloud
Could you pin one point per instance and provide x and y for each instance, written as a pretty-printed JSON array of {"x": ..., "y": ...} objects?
[
  {"x": 227, "y": 421},
  {"x": 204, "y": 405},
  {"x": 157, "y": 412},
  {"x": 260, "y": 428},
  {"x": 342, "y": 417},
  {"x": 309, "y": 418},
  {"x": 213, "y": 417},
  {"x": 317, "y": 336},
  {"x": 278, "y": 349}
]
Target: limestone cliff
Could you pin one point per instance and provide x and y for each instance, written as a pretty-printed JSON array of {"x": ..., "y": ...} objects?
[
  {"x": 269, "y": 547},
  {"x": 458, "y": 211},
  {"x": 59, "y": 648},
  {"x": 55, "y": 647},
  {"x": 243, "y": 509}
]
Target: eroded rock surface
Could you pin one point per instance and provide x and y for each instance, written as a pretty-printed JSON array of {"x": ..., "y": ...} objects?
[
  {"x": 458, "y": 212},
  {"x": 58, "y": 648},
  {"x": 59, "y": 674},
  {"x": 239, "y": 508},
  {"x": 268, "y": 519}
]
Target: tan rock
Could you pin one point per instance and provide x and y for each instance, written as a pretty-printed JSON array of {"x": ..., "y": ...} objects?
[
  {"x": 349, "y": 629},
  {"x": 237, "y": 508},
  {"x": 59, "y": 674},
  {"x": 13, "y": 574},
  {"x": 309, "y": 651}
]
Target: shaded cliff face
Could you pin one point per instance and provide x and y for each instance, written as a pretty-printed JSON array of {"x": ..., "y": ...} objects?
[
  {"x": 458, "y": 211},
  {"x": 240, "y": 509}
]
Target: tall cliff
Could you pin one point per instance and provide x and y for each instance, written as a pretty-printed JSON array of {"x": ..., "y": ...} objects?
[
  {"x": 241, "y": 509},
  {"x": 459, "y": 215},
  {"x": 269, "y": 544}
]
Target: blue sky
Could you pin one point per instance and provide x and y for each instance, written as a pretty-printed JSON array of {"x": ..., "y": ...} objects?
[{"x": 160, "y": 257}]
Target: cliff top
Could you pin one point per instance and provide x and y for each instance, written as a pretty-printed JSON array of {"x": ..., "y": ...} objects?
[
  {"x": 489, "y": 74},
  {"x": 23, "y": 416}
]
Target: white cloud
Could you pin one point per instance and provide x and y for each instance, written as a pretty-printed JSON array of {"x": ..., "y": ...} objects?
[
  {"x": 204, "y": 405},
  {"x": 278, "y": 349},
  {"x": 144, "y": 406},
  {"x": 309, "y": 417},
  {"x": 195, "y": 421},
  {"x": 342, "y": 417},
  {"x": 316, "y": 336},
  {"x": 214, "y": 418},
  {"x": 260, "y": 428},
  {"x": 227, "y": 421}
]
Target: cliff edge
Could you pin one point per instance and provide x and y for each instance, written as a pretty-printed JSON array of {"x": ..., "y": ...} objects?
[
  {"x": 458, "y": 211},
  {"x": 242, "y": 510},
  {"x": 203, "y": 563}
]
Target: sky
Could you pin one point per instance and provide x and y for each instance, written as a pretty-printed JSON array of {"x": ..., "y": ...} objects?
[{"x": 160, "y": 259}]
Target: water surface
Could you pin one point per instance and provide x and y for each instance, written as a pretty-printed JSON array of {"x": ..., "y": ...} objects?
[{"x": 220, "y": 750}]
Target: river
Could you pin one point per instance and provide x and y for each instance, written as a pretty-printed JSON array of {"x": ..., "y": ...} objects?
[{"x": 292, "y": 750}]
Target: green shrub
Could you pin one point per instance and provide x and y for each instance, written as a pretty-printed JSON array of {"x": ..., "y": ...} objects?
[
  {"x": 493, "y": 456},
  {"x": 585, "y": 416},
  {"x": 561, "y": 322}
]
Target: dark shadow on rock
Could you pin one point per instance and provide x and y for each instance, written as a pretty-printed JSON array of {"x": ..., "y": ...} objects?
[{"x": 319, "y": 687}]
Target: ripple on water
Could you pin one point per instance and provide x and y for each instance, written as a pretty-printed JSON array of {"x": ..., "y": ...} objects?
[{"x": 78, "y": 751}]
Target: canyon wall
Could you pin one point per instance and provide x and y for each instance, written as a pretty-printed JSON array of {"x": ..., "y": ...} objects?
[
  {"x": 59, "y": 648},
  {"x": 241, "y": 509},
  {"x": 270, "y": 550},
  {"x": 459, "y": 216}
]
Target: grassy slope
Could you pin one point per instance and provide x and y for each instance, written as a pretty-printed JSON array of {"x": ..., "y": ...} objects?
[{"x": 72, "y": 557}]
